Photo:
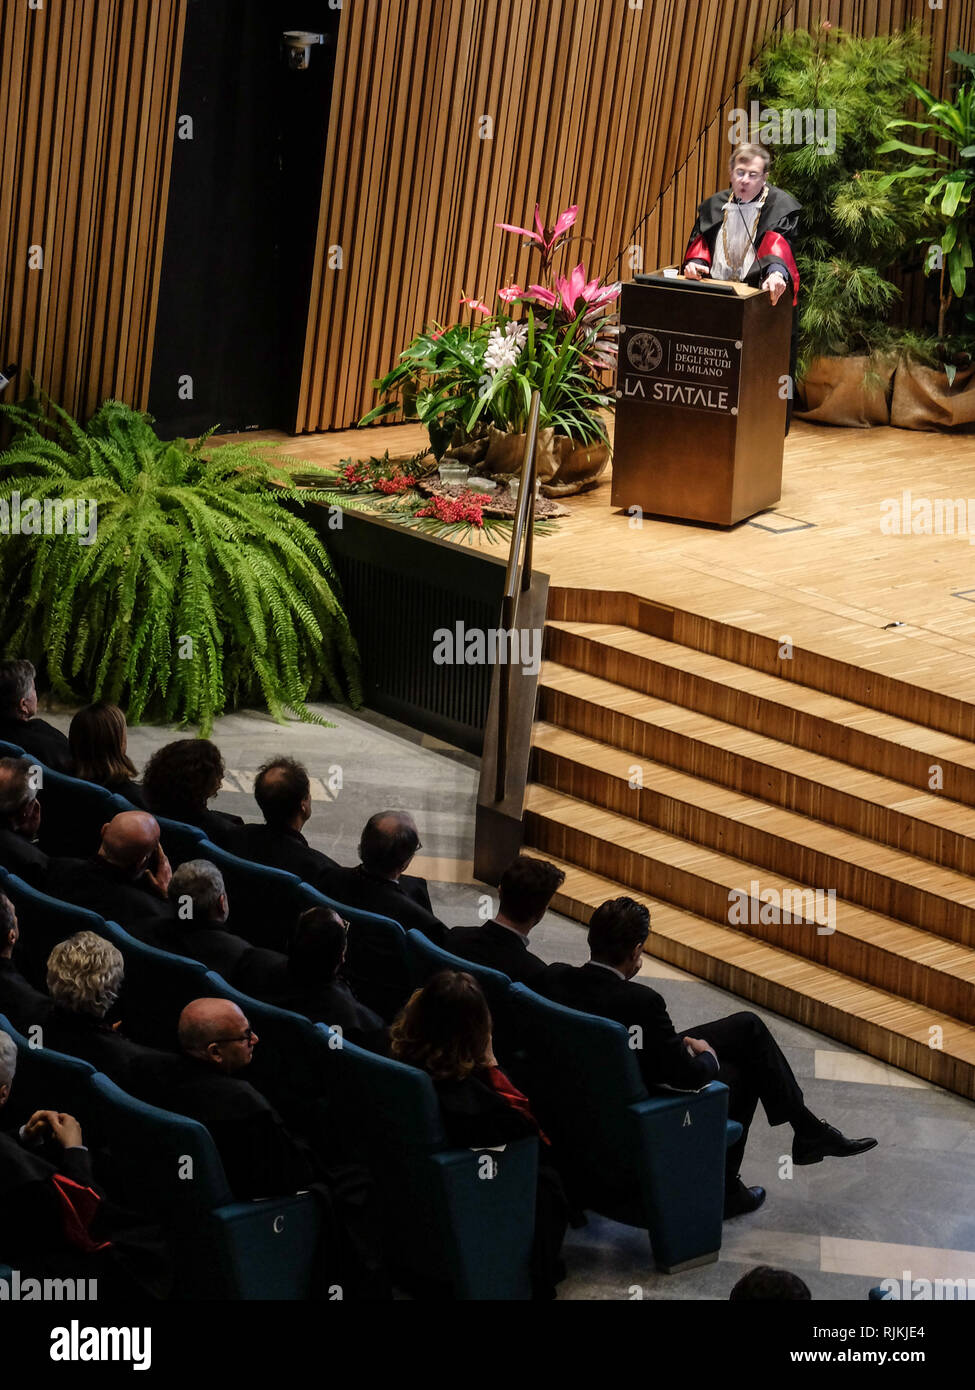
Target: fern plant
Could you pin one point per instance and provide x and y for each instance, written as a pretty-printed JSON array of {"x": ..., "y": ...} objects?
[{"x": 200, "y": 590}]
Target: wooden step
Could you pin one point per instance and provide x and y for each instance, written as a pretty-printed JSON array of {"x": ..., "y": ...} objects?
[
  {"x": 925, "y": 824},
  {"x": 791, "y": 713},
  {"x": 868, "y": 947},
  {"x": 800, "y": 848},
  {"x": 872, "y": 1020}
]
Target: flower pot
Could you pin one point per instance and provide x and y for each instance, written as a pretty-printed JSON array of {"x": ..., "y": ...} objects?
[
  {"x": 579, "y": 467},
  {"x": 506, "y": 452},
  {"x": 923, "y": 400},
  {"x": 836, "y": 392}
]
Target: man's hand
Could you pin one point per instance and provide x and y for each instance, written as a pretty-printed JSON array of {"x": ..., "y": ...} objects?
[
  {"x": 64, "y": 1129},
  {"x": 159, "y": 873},
  {"x": 693, "y": 271},
  {"x": 776, "y": 286},
  {"x": 698, "y": 1045}
]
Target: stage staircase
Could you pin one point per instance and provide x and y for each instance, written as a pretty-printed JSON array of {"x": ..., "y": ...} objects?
[{"x": 703, "y": 777}]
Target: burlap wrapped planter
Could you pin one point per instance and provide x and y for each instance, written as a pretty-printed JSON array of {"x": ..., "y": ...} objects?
[
  {"x": 564, "y": 465},
  {"x": 923, "y": 400},
  {"x": 836, "y": 392}
]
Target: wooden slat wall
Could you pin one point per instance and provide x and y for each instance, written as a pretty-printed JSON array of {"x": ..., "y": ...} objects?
[
  {"x": 88, "y": 93},
  {"x": 621, "y": 110}
]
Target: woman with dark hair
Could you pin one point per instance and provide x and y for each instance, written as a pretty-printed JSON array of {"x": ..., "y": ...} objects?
[
  {"x": 98, "y": 740},
  {"x": 445, "y": 1030},
  {"x": 178, "y": 781}
]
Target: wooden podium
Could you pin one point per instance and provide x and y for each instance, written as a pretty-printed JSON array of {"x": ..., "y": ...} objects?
[{"x": 700, "y": 399}]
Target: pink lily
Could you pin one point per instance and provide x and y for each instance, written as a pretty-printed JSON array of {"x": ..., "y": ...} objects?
[
  {"x": 510, "y": 293},
  {"x": 542, "y": 236},
  {"x": 577, "y": 287},
  {"x": 476, "y": 304}
]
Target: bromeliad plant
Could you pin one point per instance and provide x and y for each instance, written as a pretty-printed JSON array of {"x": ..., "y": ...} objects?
[
  {"x": 200, "y": 590},
  {"x": 554, "y": 337}
]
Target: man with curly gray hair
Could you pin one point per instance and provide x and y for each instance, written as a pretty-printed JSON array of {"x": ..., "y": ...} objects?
[{"x": 84, "y": 978}]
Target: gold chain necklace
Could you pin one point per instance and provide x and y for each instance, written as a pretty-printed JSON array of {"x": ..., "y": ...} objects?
[{"x": 737, "y": 266}]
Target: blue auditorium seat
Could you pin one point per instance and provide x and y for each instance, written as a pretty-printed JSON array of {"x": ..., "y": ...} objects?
[
  {"x": 44, "y": 922},
  {"x": 11, "y": 750},
  {"x": 73, "y": 813},
  {"x": 264, "y": 902},
  {"x": 179, "y": 840},
  {"x": 266, "y": 1249},
  {"x": 651, "y": 1161},
  {"x": 48, "y": 1080},
  {"x": 445, "y": 1224},
  {"x": 426, "y": 958}
]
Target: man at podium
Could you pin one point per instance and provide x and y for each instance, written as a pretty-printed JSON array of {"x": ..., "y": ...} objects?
[{"x": 747, "y": 233}]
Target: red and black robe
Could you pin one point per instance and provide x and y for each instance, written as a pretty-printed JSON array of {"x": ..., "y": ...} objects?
[{"x": 774, "y": 237}]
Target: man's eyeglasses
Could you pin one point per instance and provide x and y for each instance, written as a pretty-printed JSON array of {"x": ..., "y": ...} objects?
[{"x": 247, "y": 1036}]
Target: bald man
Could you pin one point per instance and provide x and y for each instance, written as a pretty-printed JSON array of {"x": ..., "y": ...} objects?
[
  {"x": 261, "y": 1158},
  {"x": 283, "y": 793},
  {"x": 127, "y": 880}
]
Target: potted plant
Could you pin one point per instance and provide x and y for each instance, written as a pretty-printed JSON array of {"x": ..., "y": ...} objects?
[
  {"x": 935, "y": 382},
  {"x": 855, "y": 223},
  {"x": 194, "y": 589},
  {"x": 471, "y": 384}
]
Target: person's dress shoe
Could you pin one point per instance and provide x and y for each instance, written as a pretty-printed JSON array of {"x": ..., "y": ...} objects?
[
  {"x": 741, "y": 1199},
  {"x": 827, "y": 1143}
]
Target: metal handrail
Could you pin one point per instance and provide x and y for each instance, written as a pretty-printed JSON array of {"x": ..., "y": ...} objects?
[{"x": 518, "y": 578}]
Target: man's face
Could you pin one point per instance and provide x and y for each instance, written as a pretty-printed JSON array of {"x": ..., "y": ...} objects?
[
  {"x": 235, "y": 1048},
  {"x": 748, "y": 179}
]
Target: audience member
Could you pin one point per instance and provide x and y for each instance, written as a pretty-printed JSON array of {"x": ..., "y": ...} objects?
[
  {"x": 127, "y": 881},
  {"x": 445, "y": 1030},
  {"x": 380, "y": 884},
  {"x": 738, "y": 1050},
  {"x": 18, "y": 718},
  {"x": 56, "y": 1221},
  {"x": 98, "y": 738},
  {"x": 200, "y": 930},
  {"x": 314, "y": 985},
  {"x": 20, "y": 819},
  {"x": 260, "y": 1157},
  {"x": 84, "y": 979},
  {"x": 178, "y": 781},
  {"x": 764, "y": 1282},
  {"x": 283, "y": 793},
  {"x": 20, "y": 1002},
  {"x": 527, "y": 887}
]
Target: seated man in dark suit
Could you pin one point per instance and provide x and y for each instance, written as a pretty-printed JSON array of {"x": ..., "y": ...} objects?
[
  {"x": 84, "y": 980},
  {"x": 738, "y": 1050},
  {"x": 128, "y": 879},
  {"x": 200, "y": 931},
  {"x": 527, "y": 887},
  {"x": 18, "y": 718},
  {"x": 20, "y": 820},
  {"x": 314, "y": 985},
  {"x": 180, "y": 779},
  {"x": 22, "y": 1004},
  {"x": 283, "y": 792},
  {"x": 380, "y": 883},
  {"x": 260, "y": 1157}
]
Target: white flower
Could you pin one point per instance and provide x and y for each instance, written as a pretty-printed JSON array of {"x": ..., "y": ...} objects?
[{"x": 505, "y": 346}]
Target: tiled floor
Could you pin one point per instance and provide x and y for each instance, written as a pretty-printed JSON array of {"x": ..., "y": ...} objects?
[{"x": 909, "y": 1205}]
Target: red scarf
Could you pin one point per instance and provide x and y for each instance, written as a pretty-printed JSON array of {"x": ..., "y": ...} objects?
[
  {"x": 510, "y": 1093},
  {"x": 79, "y": 1207}
]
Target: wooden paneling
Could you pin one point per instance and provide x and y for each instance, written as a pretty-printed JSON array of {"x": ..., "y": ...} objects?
[
  {"x": 87, "y": 103},
  {"x": 622, "y": 109}
]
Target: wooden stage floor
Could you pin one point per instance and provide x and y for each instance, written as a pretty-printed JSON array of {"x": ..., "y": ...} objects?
[{"x": 817, "y": 569}]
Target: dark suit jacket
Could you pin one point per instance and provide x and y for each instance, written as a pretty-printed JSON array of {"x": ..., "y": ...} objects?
[
  {"x": 23, "y": 858},
  {"x": 21, "y": 1002},
  {"x": 595, "y": 990},
  {"x": 252, "y": 969},
  {"x": 287, "y": 850},
  {"x": 260, "y": 1157},
  {"x": 475, "y": 1114},
  {"x": 132, "y": 793},
  {"x": 40, "y": 740},
  {"x": 336, "y": 1005},
  {"x": 131, "y": 1065},
  {"x": 406, "y": 902},
  {"x": 98, "y": 885},
  {"x": 498, "y": 947}
]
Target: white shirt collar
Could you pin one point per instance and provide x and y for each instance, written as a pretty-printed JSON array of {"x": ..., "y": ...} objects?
[{"x": 612, "y": 968}]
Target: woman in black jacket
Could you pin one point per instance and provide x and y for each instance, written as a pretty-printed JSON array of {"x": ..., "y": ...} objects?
[{"x": 445, "y": 1029}]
